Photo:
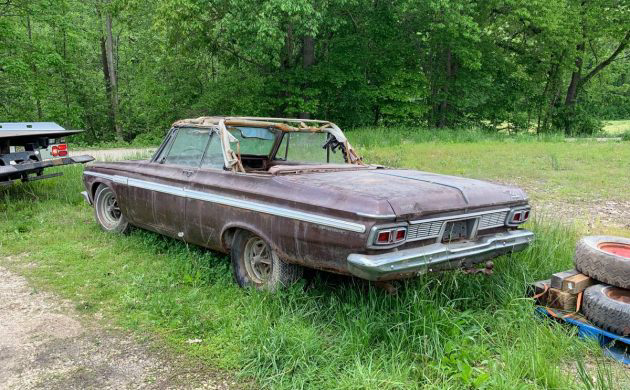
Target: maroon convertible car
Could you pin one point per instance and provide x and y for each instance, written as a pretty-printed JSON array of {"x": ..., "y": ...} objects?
[{"x": 282, "y": 194}]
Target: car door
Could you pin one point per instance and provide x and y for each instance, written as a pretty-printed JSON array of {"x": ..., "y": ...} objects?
[
  {"x": 205, "y": 218},
  {"x": 157, "y": 189}
]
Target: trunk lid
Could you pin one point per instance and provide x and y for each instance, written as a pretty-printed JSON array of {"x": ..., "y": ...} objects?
[{"x": 413, "y": 194}]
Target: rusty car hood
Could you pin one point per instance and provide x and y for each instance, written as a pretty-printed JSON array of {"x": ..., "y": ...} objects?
[{"x": 412, "y": 194}]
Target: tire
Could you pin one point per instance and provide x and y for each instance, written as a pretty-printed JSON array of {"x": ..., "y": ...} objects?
[
  {"x": 605, "y": 258},
  {"x": 266, "y": 273},
  {"x": 608, "y": 307},
  {"x": 107, "y": 212}
]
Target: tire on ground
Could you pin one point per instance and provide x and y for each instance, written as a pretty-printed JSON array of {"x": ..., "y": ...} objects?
[
  {"x": 282, "y": 274},
  {"x": 108, "y": 223},
  {"x": 608, "y": 307},
  {"x": 607, "y": 267}
]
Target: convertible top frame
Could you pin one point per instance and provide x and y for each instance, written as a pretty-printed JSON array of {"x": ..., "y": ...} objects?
[{"x": 232, "y": 158}]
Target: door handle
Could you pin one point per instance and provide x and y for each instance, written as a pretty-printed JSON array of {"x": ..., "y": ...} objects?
[{"x": 188, "y": 172}]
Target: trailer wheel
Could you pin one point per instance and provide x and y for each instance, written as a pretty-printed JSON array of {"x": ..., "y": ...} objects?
[
  {"x": 254, "y": 264},
  {"x": 605, "y": 258},
  {"x": 608, "y": 307},
  {"x": 107, "y": 212}
]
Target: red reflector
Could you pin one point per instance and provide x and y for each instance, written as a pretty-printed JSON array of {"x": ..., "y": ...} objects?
[
  {"x": 526, "y": 215},
  {"x": 400, "y": 234},
  {"x": 55, "y": 151},
  {"x": 63, "y": 147},
  {"x": 383, "y": 237},
  {"x": 63, "y": 153}
]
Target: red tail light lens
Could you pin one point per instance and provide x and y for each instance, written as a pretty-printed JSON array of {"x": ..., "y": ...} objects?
[
  {"x": 517, "y": 216},
  {"x": 60, "y": 150},
  {"x": 384, "y": 237},
  {"x": 389, "y": 236}
]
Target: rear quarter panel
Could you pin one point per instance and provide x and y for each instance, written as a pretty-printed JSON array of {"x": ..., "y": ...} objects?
[{"x": 296, "y": 241}]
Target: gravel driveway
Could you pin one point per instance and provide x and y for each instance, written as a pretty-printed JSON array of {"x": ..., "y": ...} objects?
[
  {"x": 116, "y": 154},
  {"x": 45, "y": 344}
]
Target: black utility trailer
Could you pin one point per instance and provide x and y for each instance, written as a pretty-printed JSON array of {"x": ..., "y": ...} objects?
[{"x": 27, "y": 148}]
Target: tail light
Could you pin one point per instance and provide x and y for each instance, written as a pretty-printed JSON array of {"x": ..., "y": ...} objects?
[
  {"x": 60, "y": 150},
  {"x": 517, "y": 216},
  {"x": 388, "y": 236}
]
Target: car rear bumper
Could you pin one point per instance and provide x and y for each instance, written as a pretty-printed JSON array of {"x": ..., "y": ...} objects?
[
  {"x": 10, "y": 172},
  {"x": 406, "y": 262}
]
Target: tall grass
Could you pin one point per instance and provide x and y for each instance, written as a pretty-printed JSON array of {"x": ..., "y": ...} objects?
[
  {"x": 446, "y": 330},
  {"x": 391, "y": 136}
]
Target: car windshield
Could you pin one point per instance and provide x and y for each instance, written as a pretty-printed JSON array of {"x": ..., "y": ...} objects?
[
  {"x": 310, "y": 147},
  {"x": 256, "y": 141}
]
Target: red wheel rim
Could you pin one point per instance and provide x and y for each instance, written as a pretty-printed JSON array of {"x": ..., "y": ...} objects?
[
  {"x": 618, "y": 294},
  {"x": 616, "y": 248}
]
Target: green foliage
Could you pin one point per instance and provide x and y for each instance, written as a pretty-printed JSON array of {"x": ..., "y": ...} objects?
[{"x": 439, "y": 63}]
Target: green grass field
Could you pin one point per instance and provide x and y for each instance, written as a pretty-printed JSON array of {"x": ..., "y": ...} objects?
[
  {"x": 447, "y": 330},
  {"x": 552, "y": 171},
  {"x": 617, "y": 127}
]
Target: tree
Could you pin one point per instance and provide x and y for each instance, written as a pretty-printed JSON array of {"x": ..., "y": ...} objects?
[
  {"x": 598, "y": 23},
  {"x": 108, "y": 50},
  {"x": 127, "y": 68}
]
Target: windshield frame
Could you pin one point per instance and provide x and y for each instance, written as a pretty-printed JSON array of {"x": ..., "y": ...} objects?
[
  {"x": 329, "y": 136},
  {"x": 232, "y": 157},
  {"x": 276, "y": 136}
]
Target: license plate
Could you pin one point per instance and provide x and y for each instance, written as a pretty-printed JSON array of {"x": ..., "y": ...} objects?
[{"x": 456, "y": 230}]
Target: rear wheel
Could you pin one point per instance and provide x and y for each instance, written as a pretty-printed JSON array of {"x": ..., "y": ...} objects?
[
  {"x": 255, "y": 265},
  {"x": 108, "y": 212}
]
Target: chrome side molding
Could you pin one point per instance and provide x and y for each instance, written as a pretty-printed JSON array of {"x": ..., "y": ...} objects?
[{"x": 234, "y": 202}]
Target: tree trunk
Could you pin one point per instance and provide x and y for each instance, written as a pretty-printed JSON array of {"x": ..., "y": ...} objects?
[
  {"x": 285, "y": 64},
  {"x": 108, "y": 85},
  {"x": 109, "y": 72},
  {"x": 443, "y": 120},
  {"x": 308, "y": 52},
  {"x": 576, "y": 77},
  {"x": 38, "y": 103},
  {"x": 66, "y": 95},
  {"x": 549, "y": 83},
  {"x": 308, "y": 59}
]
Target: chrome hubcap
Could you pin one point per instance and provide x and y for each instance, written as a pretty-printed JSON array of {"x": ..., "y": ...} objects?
[
  {"x": 110, "y": 212},
  {"x": 257, "y": 256}
]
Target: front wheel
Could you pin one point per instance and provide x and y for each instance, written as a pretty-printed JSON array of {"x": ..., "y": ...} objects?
[
  {"x": 255, "y": 265},
  {"x": 108, "y": 212}
]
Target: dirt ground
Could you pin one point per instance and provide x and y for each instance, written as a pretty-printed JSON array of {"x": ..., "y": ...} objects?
[
  {"x": 46, "y": 344},
  {"x": 612, "y": 214}
]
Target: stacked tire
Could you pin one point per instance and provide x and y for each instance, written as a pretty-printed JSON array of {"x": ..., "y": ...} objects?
[{"x": 607, "y": 260}]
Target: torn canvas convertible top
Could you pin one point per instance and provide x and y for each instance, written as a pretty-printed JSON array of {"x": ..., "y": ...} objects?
[{"x": 231, "y": 157}]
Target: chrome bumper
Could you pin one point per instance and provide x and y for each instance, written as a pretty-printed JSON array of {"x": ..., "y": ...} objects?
[{"x": 392, "y": 265}]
